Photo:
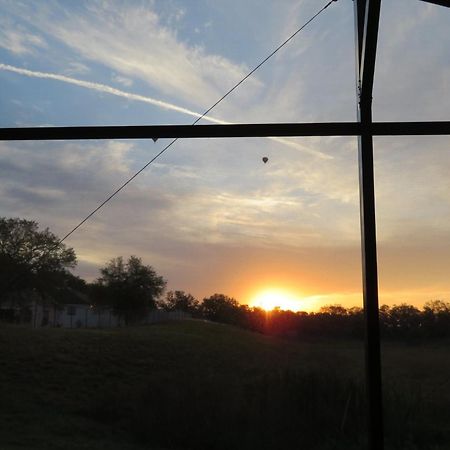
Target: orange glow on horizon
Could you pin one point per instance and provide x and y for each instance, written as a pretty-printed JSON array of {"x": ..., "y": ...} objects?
[{"x": 277, "y": 298}]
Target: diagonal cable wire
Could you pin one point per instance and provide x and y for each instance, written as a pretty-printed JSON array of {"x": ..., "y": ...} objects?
[{"x": 195, "y": 122}]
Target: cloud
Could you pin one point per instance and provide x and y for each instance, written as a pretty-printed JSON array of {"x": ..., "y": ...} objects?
[
  {"x": 184, "y": 197},
  {"x": 127, "y": 82},
  {"x": 411, "y": 76},
  {"x": 18, "y": 40},
  {"x": 64, "y": 179},
  {"x": 31, "y": 195},
  {"x": 132, "y": 41},
  {"x": 76, "y": 68},
  {"x": 413, "y": 190}
]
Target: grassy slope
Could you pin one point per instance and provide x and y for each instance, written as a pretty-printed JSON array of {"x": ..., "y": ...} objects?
[{"x": 63, "y": 388}]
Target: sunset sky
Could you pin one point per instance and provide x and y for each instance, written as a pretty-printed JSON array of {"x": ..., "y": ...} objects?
[{"x": 209, "y": 215}]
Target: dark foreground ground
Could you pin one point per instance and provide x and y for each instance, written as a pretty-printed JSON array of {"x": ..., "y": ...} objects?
[{"x": 195, "y": 385}]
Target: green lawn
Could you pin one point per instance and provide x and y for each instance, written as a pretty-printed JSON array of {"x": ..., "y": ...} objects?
[{"x": 200, "y": 385}]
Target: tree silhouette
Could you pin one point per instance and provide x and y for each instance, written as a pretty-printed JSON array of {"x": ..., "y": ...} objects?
[
  {"x": 131, "y": 288},
  {"x": 31, "y": 259},
  {"x": 179, "y": 300},
  {"x": 220, "y": 308}
]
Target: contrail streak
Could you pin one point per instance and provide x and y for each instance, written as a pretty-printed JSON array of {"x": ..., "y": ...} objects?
[
  {"x": 141, "y": 98},
  {"x": 106, "y": 89}
]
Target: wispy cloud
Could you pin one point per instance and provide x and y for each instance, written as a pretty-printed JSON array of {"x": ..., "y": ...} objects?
[
  {"x": 19, "y": 41},
  {"x": 76, "y": 68},
  {"x": 122, "y": 80},
  {"x": 133, "y": 41}
]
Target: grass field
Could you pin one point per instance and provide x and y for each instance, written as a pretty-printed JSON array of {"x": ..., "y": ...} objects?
[{"x": 197, "y": 385}]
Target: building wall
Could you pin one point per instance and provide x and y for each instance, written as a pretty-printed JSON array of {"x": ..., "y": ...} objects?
[{"x": 84, "y": 316}]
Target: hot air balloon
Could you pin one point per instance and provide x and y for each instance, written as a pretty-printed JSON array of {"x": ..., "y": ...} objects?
[{"x": 265, "y": 159}]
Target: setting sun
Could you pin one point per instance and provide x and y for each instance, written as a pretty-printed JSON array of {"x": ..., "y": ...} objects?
[{"x": 277, "y": 298}]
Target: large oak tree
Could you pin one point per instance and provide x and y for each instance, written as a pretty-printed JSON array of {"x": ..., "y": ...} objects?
[{"x": 32, "y": 259}]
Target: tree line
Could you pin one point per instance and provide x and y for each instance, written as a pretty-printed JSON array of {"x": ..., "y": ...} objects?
[{"x": 35, "y": 265}]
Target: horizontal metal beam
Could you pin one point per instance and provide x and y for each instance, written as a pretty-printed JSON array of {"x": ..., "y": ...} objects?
[
  {"x": 223, "y": 131},
  {"x": 439, "y": 2},
  {"x": 409, "y": 128},
  {"x": 180, "y": 131}
]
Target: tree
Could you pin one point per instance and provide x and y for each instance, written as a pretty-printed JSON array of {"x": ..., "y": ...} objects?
[
  {"x": 436, "y": 318},
  {"x": 179, "y": 300},
  {"x": 69, "y": 288},
  {"x": 221, "y": 308},
  {"x": 333, "y": 310},
  {"x": 131, "y": 288},
  {"x": 31, "y": 259},
  {"x": 405, "y": 319}
]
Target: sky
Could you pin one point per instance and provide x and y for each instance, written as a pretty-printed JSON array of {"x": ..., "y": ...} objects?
[{"x": 209, "y": 215}]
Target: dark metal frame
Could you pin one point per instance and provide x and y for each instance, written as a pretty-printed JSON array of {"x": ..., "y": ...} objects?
[
  {"x": 225, "y": 131},
  {"x": 439, "y": 2},
  {"x": 367, "y": 14}
]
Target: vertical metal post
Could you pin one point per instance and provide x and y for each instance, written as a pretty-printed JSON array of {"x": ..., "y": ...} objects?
[
  {"x": 370, "y": 291},
  {"x": 366, "y": 27}
]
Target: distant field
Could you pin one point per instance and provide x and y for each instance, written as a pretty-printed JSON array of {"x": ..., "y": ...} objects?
[{"x": 197, "y": 385}]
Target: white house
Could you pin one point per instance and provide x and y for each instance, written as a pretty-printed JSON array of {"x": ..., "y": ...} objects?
[{"x": 81, "y": 315}]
